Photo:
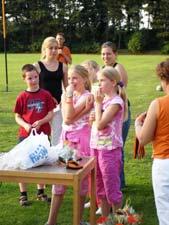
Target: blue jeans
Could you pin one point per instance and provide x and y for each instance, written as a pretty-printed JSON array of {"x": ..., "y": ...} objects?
[{"x": 125, "y": 130}]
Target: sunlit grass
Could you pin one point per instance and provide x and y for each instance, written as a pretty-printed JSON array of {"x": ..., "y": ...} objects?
[{"x": 141, "y": 90}]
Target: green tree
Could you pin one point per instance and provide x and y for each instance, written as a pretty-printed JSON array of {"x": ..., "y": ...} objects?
[{"x": 160, "y": 18}]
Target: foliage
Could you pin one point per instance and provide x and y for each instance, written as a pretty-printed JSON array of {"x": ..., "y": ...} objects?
[
  {"x": 88, "y": 47},
  {"x": 29, "y": 22},
  {"x": 159, "y": 18},
  {"x": 135, "y": 44},
  {"x": 165, "y": 49}
]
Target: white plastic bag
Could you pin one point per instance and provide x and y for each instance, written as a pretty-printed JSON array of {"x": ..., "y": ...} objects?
[
  {"x": 31, "y": 152},
  {"x": 60, "y": 150}
]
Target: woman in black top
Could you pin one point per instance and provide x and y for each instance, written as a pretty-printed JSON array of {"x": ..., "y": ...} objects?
[{"x": 53, "y": 77}]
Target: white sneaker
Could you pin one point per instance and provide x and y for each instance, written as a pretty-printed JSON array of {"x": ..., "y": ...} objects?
[
  {"x": 99, "y": 211},
  {"x": 87, "y": 205}
]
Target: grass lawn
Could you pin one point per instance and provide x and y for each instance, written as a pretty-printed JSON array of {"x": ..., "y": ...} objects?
[{"x": 141, "y": 90}]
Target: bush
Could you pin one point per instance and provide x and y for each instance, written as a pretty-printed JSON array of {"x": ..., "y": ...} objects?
[
  {"x": 89, "y": 47},
  {"x": 165, "y": 49},
  {"x": 136, "y": 44},
  {"x": 35, "y": 46}
]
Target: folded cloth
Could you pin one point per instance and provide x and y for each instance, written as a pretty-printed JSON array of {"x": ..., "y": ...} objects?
[{"x": 139, "y": 151}]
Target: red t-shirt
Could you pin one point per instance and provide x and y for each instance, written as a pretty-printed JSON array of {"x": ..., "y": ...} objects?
[{"x": 33, "y": 106}]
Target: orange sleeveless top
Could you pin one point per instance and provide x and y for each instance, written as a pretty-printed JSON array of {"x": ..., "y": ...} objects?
[{"x": 161, "y": 138}]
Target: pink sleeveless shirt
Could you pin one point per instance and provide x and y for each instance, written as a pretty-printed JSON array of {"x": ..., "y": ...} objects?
[{"x": 110, "y": 137}]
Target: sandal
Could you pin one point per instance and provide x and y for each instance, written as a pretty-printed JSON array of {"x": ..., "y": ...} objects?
[
  {"x": 73, "y": 165},
  {"x": 43, "y": 198},
  {"x": 23, "y": 200}
]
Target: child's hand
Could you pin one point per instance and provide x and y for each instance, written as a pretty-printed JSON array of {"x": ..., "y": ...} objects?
[
  {"x": 28, "y": 127},
  {"x": 89, "y": 102},
  {"x": 99, "y": 96},
  {"x": 37, "y": 125},
  {"x": 92, "y": 117},
  {"x": 69, "y": 88}
]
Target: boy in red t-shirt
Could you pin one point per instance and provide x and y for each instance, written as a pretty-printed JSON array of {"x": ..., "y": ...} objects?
[{"x": 33, "y": 109}]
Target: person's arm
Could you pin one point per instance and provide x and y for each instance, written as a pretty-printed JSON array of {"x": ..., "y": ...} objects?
[
  {"x": 145, "y": 124},
  {"x": 36, "y": 65},
  {"x": 103, "y": 118},
  {"x": 70, "y": 111},
  {"x": 66, "y": 54},
  {"x": 37, "y": 124},
  {"x": 123, "y": 73},
  {"x": 22, "y": 123},
  {"x": 65, "y": 76},
  {"x": 87, "y": 107}
]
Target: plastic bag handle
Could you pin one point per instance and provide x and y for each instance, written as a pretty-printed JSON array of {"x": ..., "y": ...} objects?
[{"x": 33, "y": 132}]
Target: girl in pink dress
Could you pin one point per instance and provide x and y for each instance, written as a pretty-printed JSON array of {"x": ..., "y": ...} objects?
[
  {"x": 106, "y": 138},
  {"x": 77, "y": 102}
]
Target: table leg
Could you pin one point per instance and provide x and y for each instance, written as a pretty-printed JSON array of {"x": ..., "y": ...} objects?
[
  {"x": 76, "y": 202},
  {"x": 93, "y": 197}
]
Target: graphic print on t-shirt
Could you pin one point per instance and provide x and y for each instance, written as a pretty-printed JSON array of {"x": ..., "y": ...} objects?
[{"x": 35, "y": 104}]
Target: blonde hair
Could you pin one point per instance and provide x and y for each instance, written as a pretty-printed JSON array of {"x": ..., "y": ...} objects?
[
  {"x": 82, "y": 71},
  {"x": 113, "y": 75},
  {"x": 47, "y": 43},
  {"x": 92, "y": 68},
  {"x": 90, "y": 63}
]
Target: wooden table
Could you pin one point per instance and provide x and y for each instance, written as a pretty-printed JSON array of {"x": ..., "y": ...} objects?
[{"x": 56, "y": 174}]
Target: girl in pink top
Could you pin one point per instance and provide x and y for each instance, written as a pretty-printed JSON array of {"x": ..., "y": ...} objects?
[
  {"x": 77, "y": 102},
  {"x": 106, "y": 138}
]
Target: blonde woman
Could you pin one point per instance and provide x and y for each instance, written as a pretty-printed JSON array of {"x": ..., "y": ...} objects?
[{"x": 53, "y": 77}]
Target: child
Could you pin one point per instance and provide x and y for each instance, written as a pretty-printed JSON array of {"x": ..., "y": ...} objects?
[
  {"x": 33, "y": 109},
  {"x": 92, "y": 68},
  {"x": 106, "y": 138},
  {"x": 76, "y": 130},
  {"x": 109, "y": 56}
]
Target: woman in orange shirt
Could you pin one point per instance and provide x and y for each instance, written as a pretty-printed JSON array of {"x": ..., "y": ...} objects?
[{"x": 153, "y": 126}]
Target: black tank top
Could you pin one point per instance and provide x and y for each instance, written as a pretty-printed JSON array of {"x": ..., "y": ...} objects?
[
  {"x": 114, "y": 65},
  {"x": 51, "y": 80}
]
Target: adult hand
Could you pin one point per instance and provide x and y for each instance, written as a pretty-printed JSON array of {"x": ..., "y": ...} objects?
[{"x": 140, "y": 118}]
